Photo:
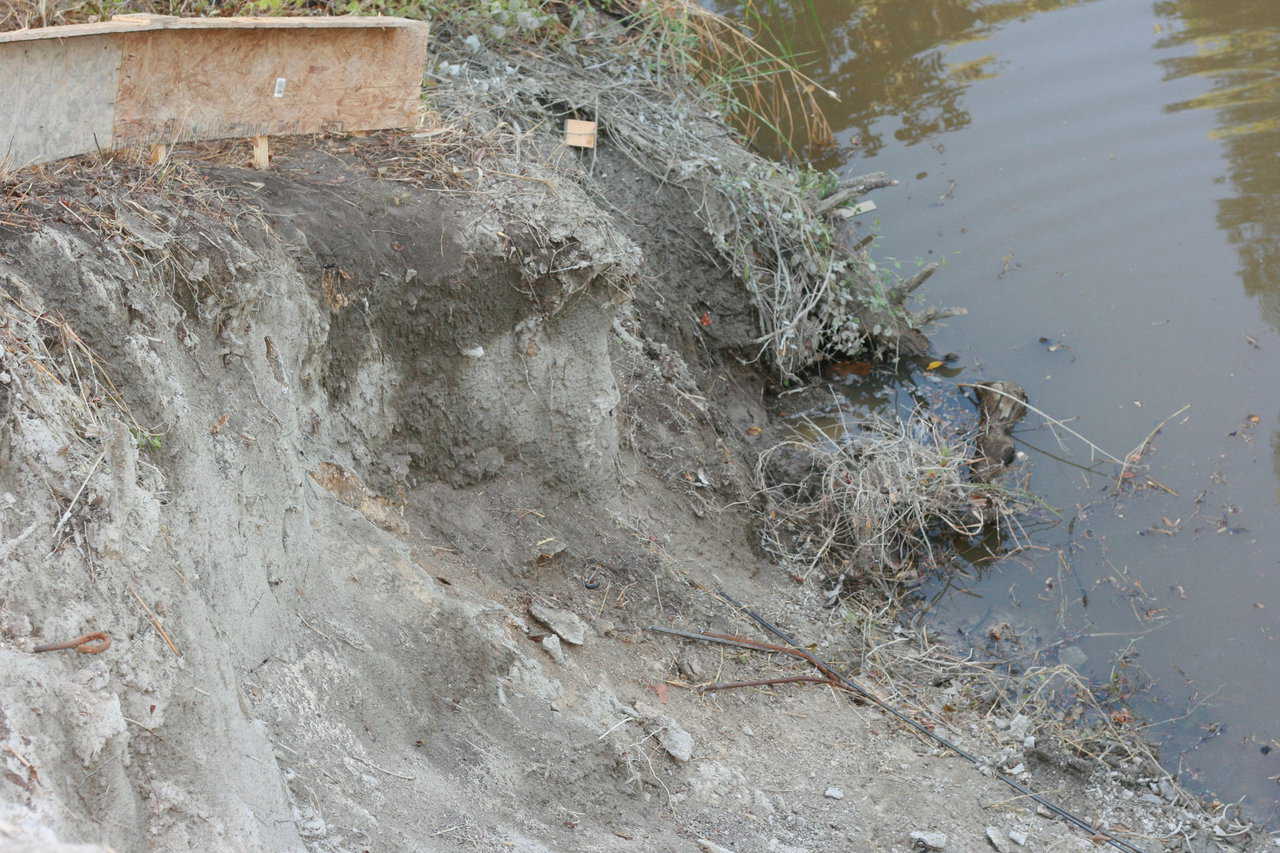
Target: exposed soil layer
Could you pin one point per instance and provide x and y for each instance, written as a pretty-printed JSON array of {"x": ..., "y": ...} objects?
[{"x": 343, "y": 432}]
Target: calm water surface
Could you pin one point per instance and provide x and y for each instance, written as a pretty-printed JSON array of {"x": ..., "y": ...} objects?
[{"x": 1104, "y": 176}]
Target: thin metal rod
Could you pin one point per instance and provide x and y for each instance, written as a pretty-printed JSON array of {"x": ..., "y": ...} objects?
[{"x": 768, "y": 682}]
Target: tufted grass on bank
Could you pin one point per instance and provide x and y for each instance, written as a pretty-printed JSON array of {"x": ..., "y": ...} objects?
[{"x": 869, "y": 507}]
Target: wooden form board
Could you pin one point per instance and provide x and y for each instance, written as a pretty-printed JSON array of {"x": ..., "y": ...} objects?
[
  {"x": 150, "y": 79},
  {"x": 57, "y": 99}
]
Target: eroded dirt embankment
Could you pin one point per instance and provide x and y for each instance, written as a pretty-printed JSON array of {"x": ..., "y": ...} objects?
[
  {"x": 308, "y": 444},
  {"x": 309, "y": 329}
]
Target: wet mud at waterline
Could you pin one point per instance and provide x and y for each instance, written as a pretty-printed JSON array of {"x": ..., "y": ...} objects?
[{"x": 1100, "y": 181}]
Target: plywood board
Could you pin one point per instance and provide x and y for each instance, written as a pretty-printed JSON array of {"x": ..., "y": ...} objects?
[
  {"x": 172, "y": 22},
  {"x": 56, "y": 98},
  {"x": 155, "y": 80},
  {"x": 141, "y": 22},
  {"x": 104, "y": 28},
  {"x": 206, "y": 83}
]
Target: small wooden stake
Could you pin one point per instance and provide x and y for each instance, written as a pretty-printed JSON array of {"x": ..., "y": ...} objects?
[
  {"x": 261, "y": 153},
  {"x": 158, "y": 154}
]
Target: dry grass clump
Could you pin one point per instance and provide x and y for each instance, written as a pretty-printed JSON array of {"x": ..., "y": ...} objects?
[
  {"x": 57, "y": 404},
  {"x": 1078, "y": 727},
  {"x": 867, "y": 505},
  {"x": 44, "y": 363},
  {"x": 810, "y": 294},
  {"x": 768, "y": 91},
  {"x": 80, "y": 190}
]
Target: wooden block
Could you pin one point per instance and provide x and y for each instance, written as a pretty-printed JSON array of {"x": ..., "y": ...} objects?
[
  {"x": 261, "y": 153},
  {"x": 158, "y": 154},
  {"x": 580, "y": 134}
]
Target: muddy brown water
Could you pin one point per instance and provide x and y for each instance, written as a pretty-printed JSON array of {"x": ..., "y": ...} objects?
[{"x": 1102, "y": 180}]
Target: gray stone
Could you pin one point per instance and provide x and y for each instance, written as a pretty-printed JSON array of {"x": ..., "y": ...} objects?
[
  {"x": 1203, "y": 842},
  {"x": 711, "y": 847},
  {"x": 545, "y": 552},
  {"x": 997, "y": 839},
  {"x": 552, "y": 644},
  {"x": 570, "y": 628},
  {"x": 520, "y": 844},
  {"x": 1019, "y": 725},
  {"x": 691, "y": 668},
  {"x": 930, "y": 840},
  {"x": 1018, "y": 838},
  {"x": 833, "y": 793},
  {"x": 776, "y": 846},
  {"x": 675, "y": 740}
]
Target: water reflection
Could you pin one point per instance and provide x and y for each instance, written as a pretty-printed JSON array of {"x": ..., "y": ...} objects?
[
  {"x": 887, "y": 62},
  {"x": 1235, "y": 45}
]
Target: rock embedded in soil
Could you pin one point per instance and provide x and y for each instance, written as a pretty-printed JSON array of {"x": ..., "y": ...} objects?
[
  {"x": 552, "y": 645},
  {"x": 674, "y": 739},
  {"x": 997, "y": 839},
  {"x": 776, "y": 846},
  {"x": 833, "y": 793},
  {"x": 930, "y": 840},
  {"x": 691, "y": 668},
  {"x": 568, "y": 626},
  {"x": 711, "y": 847}
]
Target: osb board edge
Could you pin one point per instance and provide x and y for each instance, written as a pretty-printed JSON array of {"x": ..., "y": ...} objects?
[{"x": 145, "y": 23}]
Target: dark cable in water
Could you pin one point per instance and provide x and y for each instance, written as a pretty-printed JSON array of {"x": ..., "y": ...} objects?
[{"x": 1078, "y": 822}]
